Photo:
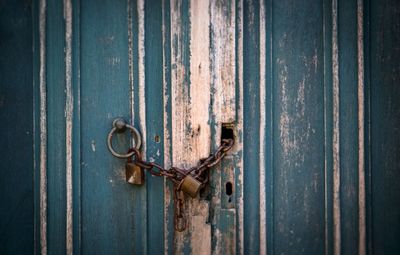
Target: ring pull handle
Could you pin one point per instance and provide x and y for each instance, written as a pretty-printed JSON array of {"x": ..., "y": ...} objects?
[{"x": 120, "y": 126}]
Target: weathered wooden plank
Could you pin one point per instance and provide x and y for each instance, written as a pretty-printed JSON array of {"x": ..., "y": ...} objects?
[
  {"x": 136, "y": 81},
  {"x": 362, "y": 232},
  {"x": 239, "y": 175},
  {"x": 154, "y": 122},
  {"x": 17, "y": 94},
  {"x": 222, "y": 25},
  {"x": 167, "y": 125},
  {"x": 111, "y": 212},
  {"x": 76, "y": 231},
  {"x": 56, "y": 125},
  {"x": 223, "y": 111},
  {"x": 299, "y": 218},
  {"x": 190, "y": 106},
  {"x": 251, "y": 125},
  {"x": 384, "y": 122},
  {"x": 263, "y": 124},
  {"x": 42, "y": 129},
  {"x": 69, "y": 111},
  {"x": 348, "y": 125}
]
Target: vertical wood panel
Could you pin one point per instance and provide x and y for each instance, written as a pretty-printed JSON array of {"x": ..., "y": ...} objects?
[
  {"x": 251, "y": 125},
  {"x": 18, "y": 73},
  {"x": 108, "y": 202},
  {"x": 298, "y": 128},
  {"x": 290, "y": 75},
  {"x": 56, "y": 140},
  {"x": 384, "y": 125},
  {"x": 348, "y": 124},
  {"x": 223, "y": 110},
  {"x": 154, "y": 122}
]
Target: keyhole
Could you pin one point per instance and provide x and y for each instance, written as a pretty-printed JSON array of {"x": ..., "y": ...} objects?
[{"x": 228, "y": 190}]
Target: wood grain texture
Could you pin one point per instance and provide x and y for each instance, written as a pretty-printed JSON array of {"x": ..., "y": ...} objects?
[{"x": 310, "y": 90}]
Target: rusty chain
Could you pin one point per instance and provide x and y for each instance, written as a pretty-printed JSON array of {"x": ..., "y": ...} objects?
[{"x": 176, "y": 175}]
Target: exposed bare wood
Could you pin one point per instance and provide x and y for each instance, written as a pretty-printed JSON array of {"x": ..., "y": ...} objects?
[
  {"x": 263, "y": 208},
  {"x": 239, "y": 140},
  {"x": 223, "y": 57},
  {"x": 336, "y": 144},
  {"x": 361, "y": 153},
  {"x": 43, "y": 128},
  {"x": 69, "y": 103}
]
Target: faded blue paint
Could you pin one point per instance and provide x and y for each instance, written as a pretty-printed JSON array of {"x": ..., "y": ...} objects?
[
  {"x": 16, "y": 132},
  {"x": 55, "y": 78},
  {"x": 113, "y": 217}
]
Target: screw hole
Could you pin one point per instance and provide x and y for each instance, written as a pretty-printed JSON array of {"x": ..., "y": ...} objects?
[{"x": 157, "y": 138}]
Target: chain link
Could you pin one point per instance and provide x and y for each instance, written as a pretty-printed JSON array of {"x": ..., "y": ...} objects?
[{"x": 176, "y": 175}]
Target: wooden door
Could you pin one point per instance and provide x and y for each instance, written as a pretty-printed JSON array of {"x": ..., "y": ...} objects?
[{"x": 308, "y": 90}]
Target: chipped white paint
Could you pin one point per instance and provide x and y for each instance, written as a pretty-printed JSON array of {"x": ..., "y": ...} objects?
[
  {"x": 222, "y": 24},
  {"x": 43, "y": 128},
  {"x": 130, "y": 60},
  {"x": 223, "y": 57},
  {"x": 263, "y": 208},
  {"x": 199, "y": 137},
  {"x": 239, "y": 140},
  {"x": 93, "y": 145},
  {"x": 167, "y": 139},
  {"x": 178, "y": 99},
  {"x": 336, "y": 145},
  {"x": 142, "y": 108},
  {"x": 190, "y": 102},
  {"x": 361, "y": 166},
  {"x": 141, "y": 53},
  {"x": 68, "y": 124}
]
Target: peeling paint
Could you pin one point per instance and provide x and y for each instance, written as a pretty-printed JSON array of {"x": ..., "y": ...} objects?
[
  {"x": 336, "y": 155},
  {"x": 93, "y": 145},
  {"x": 361, "y": 154},
  {"x": 130, "y": 60},
  {"x": 43, "y": 127},
  {"x": 167, "y": 139},
  {"x": 263, "y": 207},
  {"x": 68, "y": 122},
  {"x": 239, "y": 141}
]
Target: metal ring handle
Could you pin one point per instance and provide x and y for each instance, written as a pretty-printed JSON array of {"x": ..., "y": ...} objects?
[{"x": 120, "y": 126}]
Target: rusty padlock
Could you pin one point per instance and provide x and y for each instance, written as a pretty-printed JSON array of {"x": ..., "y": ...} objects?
[
  {"x": 190, "y": 186},
  {"x": 134, "y": 174}
]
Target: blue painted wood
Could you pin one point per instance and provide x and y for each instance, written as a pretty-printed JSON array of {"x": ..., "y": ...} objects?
[
  {"x": 113, "y": 217},
  {"x": 251, "y": 124},
  {"x": 108, "y": 202},
  {"x": 298, "y": 129},
  {"x": 55, "y": 81},
  {"x": 76, "y": 139},
  {"x": 16, "y": 132},
  {"x": 384, "y": 122},
  {"x": 168, "y": 108},
  {"x": 348, "y": 121},
  {"x": 154, "y": 122}
]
